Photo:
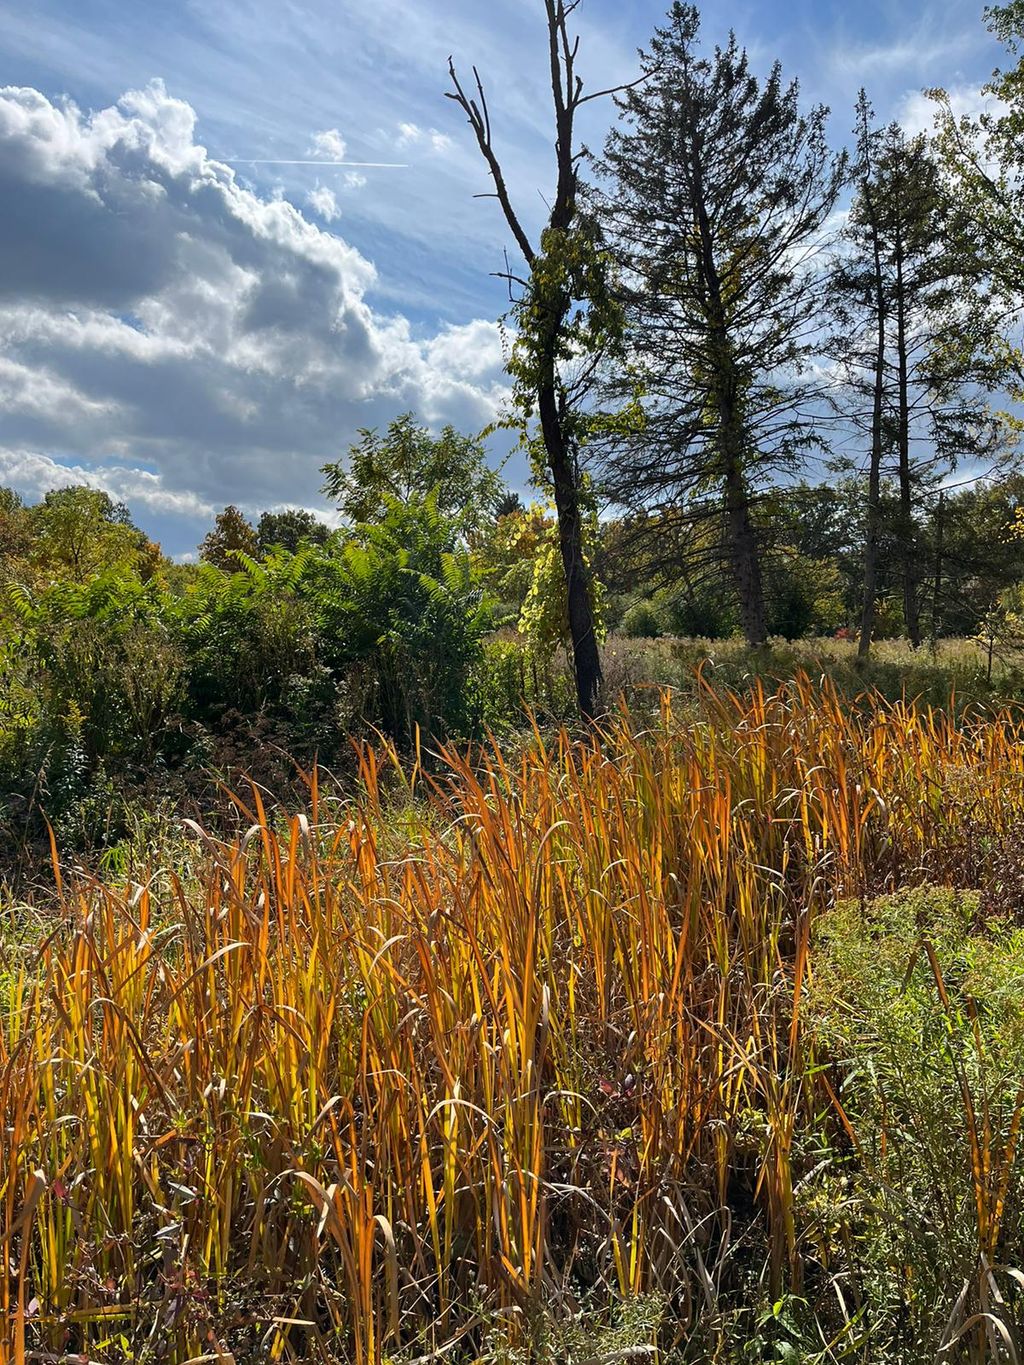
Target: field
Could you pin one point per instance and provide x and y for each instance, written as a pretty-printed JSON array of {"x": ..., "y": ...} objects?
[{"x": 699, "y": 1038}]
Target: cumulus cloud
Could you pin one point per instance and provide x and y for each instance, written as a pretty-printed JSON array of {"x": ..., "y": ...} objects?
[
  {"x": 324, "y": 203},
  {"x": 188, "y": 340},
  {"x": 329, "y": 144},
  {"x": 472, "y": 350},
  {"x": 36, "y": 475}
]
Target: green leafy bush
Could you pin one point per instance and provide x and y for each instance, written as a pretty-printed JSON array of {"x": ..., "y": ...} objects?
[
  {"x": 641, "y": 622},
  {"x": 107, "y": 681},
  {"x": 244, "y": 636}
]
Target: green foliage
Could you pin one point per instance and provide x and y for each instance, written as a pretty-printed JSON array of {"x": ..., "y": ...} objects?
[
  {"x": 924, "y": 1013},
  {"x": 718, "y": 296},
  {"x": 627, "y": 1328},
  {"x": 15, "y": 535},
  {"x": 289, "y": 530},
  {"x": 403, "y": 600},
  {"x": 544, "y": 618},
  {"x": 407, "y": 462},
  {"x": 515, "y": 686},
  {"x": 705, "y": 610},
  {"x": 245, "y": 635},
  {"x": 641, "y": 622},
  {"x": 91, "y": 683},
  {"x": 568, "y": 316},
  {"x": 109, "y": 680},
  {"x": 505, "y": 555},
  {"x": 77, "y": 532},
  {"x": 805, "y": 596},
  {"x": 384, "y": 623},
  {"x": 983, "y": 158}
]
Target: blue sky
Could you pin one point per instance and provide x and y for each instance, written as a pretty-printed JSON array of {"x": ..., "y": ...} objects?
[{"x": 186, "y": 328}]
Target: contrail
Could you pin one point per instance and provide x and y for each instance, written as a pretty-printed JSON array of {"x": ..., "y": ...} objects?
[{"x": 265, "y": 161}]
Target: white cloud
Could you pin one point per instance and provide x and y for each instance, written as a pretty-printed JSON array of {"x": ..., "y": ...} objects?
[
  {"x": 912, "y": 52},
  {"x": 324, "y": 203},
  {"x": 473, "y": 350},
  {"x": 329, "y": 144},
  {"x": 158, "y": 315},
  {"x": 917, "y": 110},
  {"x": 36, "y": 475},
  {"x": 355, "y": 180},
  {"x": 412, "y": 135},
  {"x": 39, "y": 392}
]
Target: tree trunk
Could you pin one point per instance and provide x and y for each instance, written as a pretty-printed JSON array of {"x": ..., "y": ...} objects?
[
  {"x": 744, "y": 554},
  {"x": 553, "y": 306},
  {"x": 744, "y": 551},
  {"x": 871, "y": 543},
  {"x": 940, "y": 527},
  {"x": 582, "y": 627},
  {"x": 911, "y": 610}
]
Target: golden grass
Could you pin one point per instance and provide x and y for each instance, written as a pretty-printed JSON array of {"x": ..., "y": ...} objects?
[{"x": 345, "y": 1093}]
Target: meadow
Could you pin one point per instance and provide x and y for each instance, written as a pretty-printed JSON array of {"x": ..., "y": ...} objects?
[
  {"x": 696, "y": 1037},
  {"x": 443, "y": 927}
]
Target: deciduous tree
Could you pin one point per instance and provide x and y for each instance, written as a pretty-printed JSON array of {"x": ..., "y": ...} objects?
[
  {"x": 407, "y": 462},
  {"x": 287, "y": 530},
  {"x": 78, "y": 532},
  {"x": 232, "y": 536},
  {"x": 562, "y": 321}
]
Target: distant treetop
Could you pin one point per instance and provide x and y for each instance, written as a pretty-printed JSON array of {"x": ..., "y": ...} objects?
[{"x": 406, "y": 462}]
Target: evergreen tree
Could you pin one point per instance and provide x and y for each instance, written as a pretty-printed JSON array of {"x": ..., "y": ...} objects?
[
  {"x": 984, "y": 155},
  {"x": 914, "y": 334},
  {"x": 718, "y": 191}
]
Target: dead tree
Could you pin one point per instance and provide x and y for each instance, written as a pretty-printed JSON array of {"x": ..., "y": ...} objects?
[{"x": 548, "y": 319}]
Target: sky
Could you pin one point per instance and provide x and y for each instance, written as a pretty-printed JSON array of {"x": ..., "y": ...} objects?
[{"x": 187, "y": 320}]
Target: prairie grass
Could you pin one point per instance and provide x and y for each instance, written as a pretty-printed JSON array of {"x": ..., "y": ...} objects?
[
  {"x": 944, "y": 668},
  {"x": 509, "y": 1035}
]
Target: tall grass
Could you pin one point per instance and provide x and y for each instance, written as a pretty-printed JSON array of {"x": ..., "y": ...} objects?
[{"x": 362, "y": 1086}]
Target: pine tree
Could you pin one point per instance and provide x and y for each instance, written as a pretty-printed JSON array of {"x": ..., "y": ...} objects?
[
  {"x": 911, "y": 346},
  {"x": 718, "y": 190}
]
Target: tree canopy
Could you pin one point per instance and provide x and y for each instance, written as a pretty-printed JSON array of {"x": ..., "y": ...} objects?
[{"x": 408, "y": 461}]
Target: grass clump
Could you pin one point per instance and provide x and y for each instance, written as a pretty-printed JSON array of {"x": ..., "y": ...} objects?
[{"x": 560, "y": 1052}]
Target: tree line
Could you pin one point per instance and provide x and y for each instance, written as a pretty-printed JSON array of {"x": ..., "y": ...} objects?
[
  {"x": 758, "y": 382},
  {"x": 720, "y": 299}
]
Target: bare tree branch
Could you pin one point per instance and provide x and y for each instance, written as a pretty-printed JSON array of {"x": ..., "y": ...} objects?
[{"x": 480, "y": 122}]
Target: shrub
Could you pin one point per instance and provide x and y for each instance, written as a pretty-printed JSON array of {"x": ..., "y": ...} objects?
[
  {"x": 641, "y": 622},
  {"x": 245, "y": 635},
  {"x": 399, "y": 611}
]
